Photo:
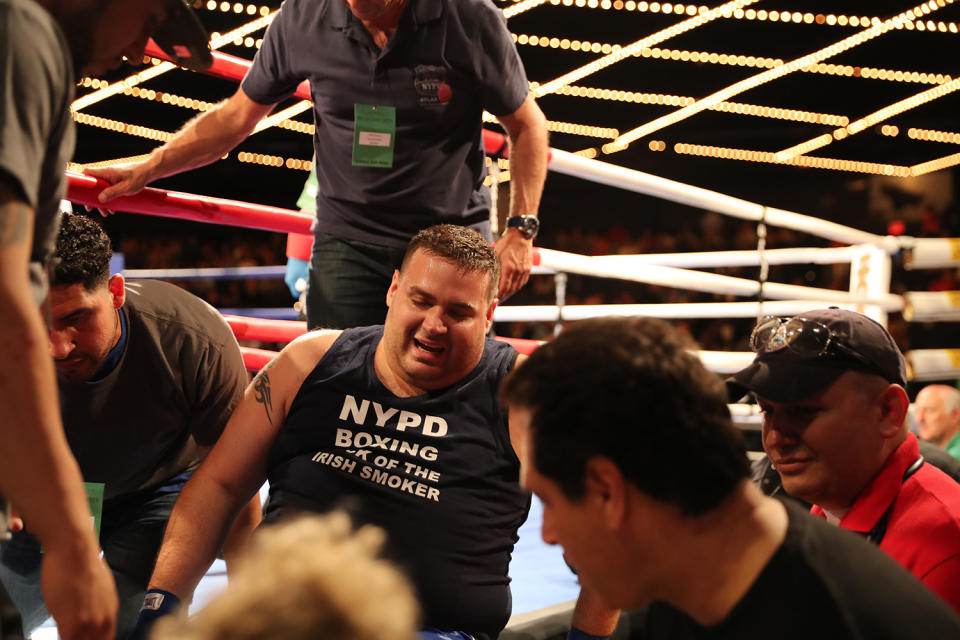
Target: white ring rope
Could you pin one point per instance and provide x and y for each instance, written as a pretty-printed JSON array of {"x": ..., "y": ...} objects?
[
  {"x": 743, "y": 258},
  {"x": 632, "y": 180},
  {"x": 934, "y": 364},
  {"x": 932, "y": 306},
  {"x": 931, "y": 253},
  {"x": 686, "y": 310},
  {"x": 617, "y": 267}
]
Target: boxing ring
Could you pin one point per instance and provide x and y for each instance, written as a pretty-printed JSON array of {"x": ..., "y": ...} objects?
[
  {"x": 869, "y": 255},
  {"x": 542, "y": 582},
  {"x": 541, "y": 579}
]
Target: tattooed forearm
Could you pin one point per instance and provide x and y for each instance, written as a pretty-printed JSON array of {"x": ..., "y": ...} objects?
[
  {"x": 14, "y": 220},
  {"x": 261, "y": 389}
]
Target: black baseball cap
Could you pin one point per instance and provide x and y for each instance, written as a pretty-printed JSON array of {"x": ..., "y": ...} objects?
[
  {"x": 786, "y": 376},
  {"x": 183, "y": 38}
]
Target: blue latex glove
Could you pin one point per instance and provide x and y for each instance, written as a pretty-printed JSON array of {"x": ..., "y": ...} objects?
[
  {"x": 296, "y": 270},
  {"x": 157, "y": 603}
]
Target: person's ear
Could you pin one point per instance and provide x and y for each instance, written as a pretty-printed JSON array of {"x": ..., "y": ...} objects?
[
  {"x": 394, "y": 285},
  {"x": 606, "y": 490},
  {"x": 118, "y": 291},
  {"x": 893, "y": 404},
  {"x": 489, "y": 315}
]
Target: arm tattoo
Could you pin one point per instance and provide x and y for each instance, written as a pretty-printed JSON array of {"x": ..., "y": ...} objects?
[
  {"x": 261, "y": 389},
  {"x": 14, "y": 218}
]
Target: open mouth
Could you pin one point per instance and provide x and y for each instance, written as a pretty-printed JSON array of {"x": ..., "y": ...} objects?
[{"x": 428, "y": 349}]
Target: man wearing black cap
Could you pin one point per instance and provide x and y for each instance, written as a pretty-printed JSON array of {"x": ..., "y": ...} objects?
[
  {"x": 44, "y": 45},
  {"x": 831, "y": 387}
]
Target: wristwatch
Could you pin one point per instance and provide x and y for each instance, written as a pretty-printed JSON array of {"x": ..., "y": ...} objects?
[{"x": 528, "y": 226}]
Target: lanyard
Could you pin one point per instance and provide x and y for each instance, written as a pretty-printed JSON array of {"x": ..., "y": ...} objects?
[{"x": 876, "y": 534}]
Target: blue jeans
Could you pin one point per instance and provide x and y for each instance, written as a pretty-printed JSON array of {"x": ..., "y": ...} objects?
[
  {"x": 347, "y": 282},
  {"x": 131, "y": 531}
]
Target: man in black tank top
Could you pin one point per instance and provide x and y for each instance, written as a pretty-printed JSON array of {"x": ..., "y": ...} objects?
[{"x": 400, "y": 423}]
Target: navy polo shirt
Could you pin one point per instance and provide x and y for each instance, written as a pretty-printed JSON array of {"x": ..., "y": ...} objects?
[{"x": 447, "y": 62}]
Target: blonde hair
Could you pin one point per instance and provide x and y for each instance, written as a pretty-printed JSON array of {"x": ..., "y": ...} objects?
[{"x": 311, "y": 578}]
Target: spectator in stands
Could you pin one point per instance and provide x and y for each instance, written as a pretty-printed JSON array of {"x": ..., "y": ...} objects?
[{"x": 938, "y": 417}]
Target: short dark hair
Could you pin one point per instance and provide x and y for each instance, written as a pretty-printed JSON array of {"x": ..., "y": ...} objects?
[
  {"x": 628, "y": 389},
  {"x": 82, "y": 254},
  {"x": 458, "y": 244}
]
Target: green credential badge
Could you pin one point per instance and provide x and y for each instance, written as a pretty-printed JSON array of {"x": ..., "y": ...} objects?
[
  {"x": 374, "y": 131},
  {"x": 95, "y": 500}
]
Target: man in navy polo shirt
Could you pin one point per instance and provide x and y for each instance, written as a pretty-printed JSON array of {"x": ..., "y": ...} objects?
[{"x": 399, "y": 88}]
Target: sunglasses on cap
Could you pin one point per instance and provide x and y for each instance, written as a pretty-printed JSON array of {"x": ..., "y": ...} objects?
[{"x": 804, "y": 337}]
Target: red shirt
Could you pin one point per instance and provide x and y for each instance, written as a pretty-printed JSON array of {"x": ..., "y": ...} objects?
[{"x": 923, "y": 528}]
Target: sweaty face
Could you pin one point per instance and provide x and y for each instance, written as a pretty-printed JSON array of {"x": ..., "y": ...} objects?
[
  {"x": 85, "y": 328},
  {"x": 826, "y": 448},
  {"x": 104, "y": 32},
  {"x": 436, "y": 323},
  {"x": 935, "y": 424}
]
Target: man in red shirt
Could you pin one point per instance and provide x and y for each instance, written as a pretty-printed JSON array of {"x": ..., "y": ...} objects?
[{"x": 831, "y": 387}]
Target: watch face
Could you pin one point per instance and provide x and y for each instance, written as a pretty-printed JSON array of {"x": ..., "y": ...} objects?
[{"x": 529, "y": 226}]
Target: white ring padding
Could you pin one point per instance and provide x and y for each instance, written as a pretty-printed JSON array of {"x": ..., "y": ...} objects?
[
  {"x": 923, "y": 365},
  {"x": 551, "y": 313},
  {"x": 932, "y": 306},
  {"x": 601, "y": 266},
  {"x": 538, "y": 270},
  {"x": 932, "y": 253},
  {"x": 746, "y": 415},
  {"x": 934, "y": 364},
  {"x": 725, "y": 362},
  {"x": 200, "y": 273},
  {"x": 632, "y": 180},
  {"x": 751, "y": 258}
]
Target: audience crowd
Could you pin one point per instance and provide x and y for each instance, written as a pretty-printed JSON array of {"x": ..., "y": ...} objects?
[{"x": 163, "y": 245}]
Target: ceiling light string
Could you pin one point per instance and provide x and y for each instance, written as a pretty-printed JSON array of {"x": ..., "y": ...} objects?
[
  {"x": 647, "y": 42},
  {"x": 754, "y": 81}
]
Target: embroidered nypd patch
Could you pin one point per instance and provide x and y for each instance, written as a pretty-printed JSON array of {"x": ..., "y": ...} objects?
[{"x": 430, "y": 82}]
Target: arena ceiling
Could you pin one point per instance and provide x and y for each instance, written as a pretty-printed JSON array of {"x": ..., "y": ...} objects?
[{"x": 771, "y": 95}]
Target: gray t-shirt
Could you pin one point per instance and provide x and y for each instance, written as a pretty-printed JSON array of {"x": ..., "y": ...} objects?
[
  {"x": 36, "y": 130},
  {"x": 447, "y": 61},
  {"x": 178, "y": 380}
]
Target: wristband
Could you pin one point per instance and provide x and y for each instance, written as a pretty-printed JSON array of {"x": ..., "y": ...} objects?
[
  {"x": 577, "y": 634},
  {"x": 299, "y": 246},
  {"x": 157, "y": 604}
]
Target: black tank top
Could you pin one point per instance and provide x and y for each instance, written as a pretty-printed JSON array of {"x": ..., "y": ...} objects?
[{"x": 437, "y": 471}]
